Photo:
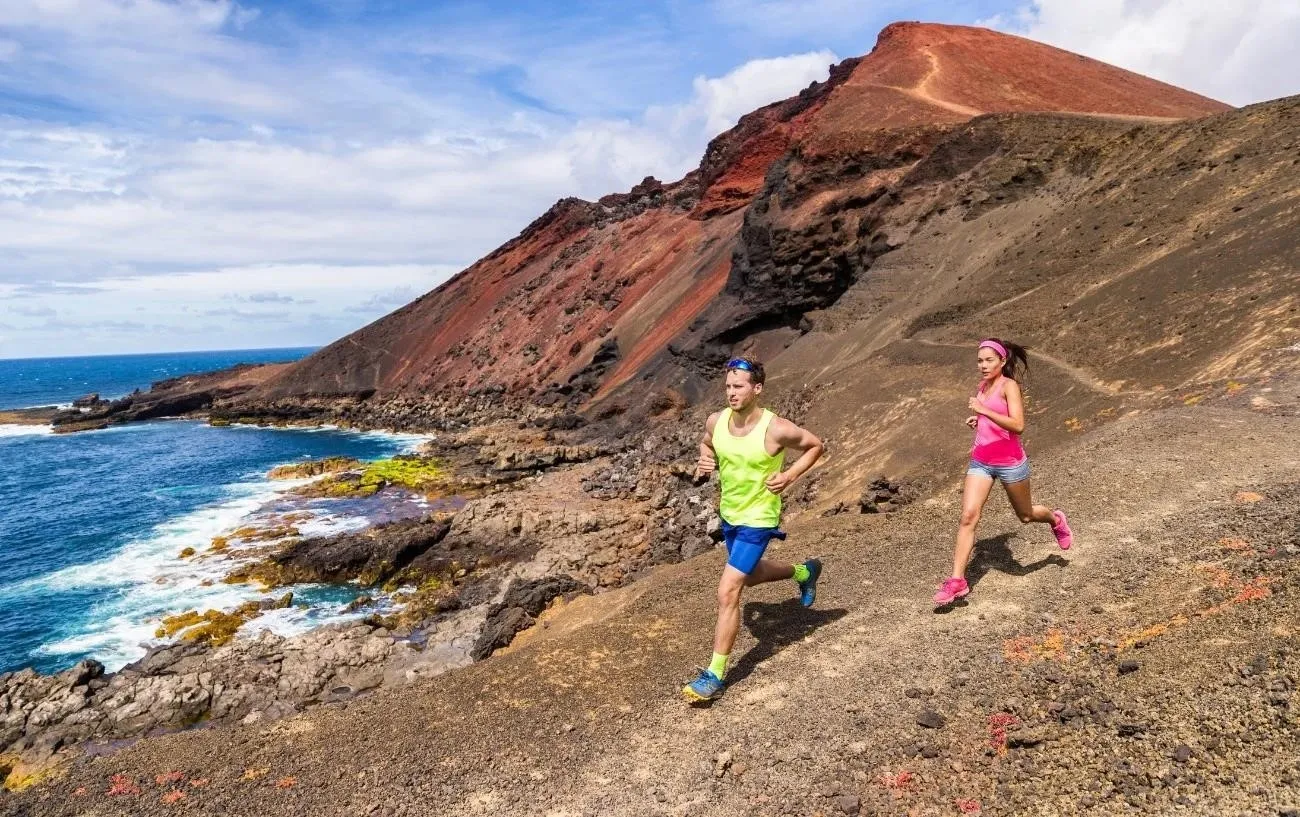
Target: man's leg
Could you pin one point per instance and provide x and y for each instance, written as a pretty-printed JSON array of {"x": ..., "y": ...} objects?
[
  {"x": 708, "y": 684},
  {"x": 768, "y": 570},
  {"x": 731, "y": 585}
]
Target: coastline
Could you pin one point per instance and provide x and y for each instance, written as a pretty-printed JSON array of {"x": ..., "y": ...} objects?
[{"x": 435, "y": 591}]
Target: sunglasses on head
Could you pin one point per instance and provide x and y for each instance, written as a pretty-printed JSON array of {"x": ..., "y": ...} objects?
[{"x": 743, "y": 365}]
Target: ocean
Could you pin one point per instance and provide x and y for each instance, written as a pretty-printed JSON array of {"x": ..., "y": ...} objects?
[{"x": 92, "y": 524}]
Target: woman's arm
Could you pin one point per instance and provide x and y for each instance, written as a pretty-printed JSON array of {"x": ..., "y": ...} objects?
[{"x": 1014, "y": 419}]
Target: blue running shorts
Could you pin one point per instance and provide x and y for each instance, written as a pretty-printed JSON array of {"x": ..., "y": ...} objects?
[
  {"x": 745, "y": 544},
  {"x": 1007, "y": 473}
]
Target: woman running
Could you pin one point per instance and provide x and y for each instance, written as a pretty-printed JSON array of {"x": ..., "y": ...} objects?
[{"x": 998, "y": 421}]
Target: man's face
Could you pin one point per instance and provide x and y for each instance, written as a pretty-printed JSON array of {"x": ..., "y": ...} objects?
[{"x": 741, "y": 393}]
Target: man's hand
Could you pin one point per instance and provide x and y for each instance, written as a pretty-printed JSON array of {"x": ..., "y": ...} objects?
[
  {"x": 705, "y": 465},
  {"x": 973, "y": 420},
  {"x": 778, "y": 481}
]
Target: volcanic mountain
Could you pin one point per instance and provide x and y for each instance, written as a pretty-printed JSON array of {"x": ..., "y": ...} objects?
[{"x": 783, "y": 214}]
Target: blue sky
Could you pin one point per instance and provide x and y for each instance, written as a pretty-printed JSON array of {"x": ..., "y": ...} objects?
[{"x": 193, "y": 174}]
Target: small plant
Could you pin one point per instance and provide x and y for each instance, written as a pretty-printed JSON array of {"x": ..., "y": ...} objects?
[
  {"x": 173, "y": 796},
  {"x": 904, "y": 781},
  {"x": 119, "y": 785},
  {"x": 999, "y": 723}
]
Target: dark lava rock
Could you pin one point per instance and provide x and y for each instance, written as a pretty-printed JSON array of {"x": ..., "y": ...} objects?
[
  {"x": 1129, "y": 730},
  {"x": 930, "y": 719},
  {"x": 1182, "y": 754},
  {"x": 86, "y": 671},
  {"x": 848, "y": 803},
  {"x": 523, "y": 602},
  {"x": 1128, "y": 665},
  {"x": 372, "y": 555}
]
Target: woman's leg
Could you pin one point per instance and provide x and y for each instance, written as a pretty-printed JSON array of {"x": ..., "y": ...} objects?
[
  {"x": 973, "y": 496},
  {"x": 1022, "y": 502}
]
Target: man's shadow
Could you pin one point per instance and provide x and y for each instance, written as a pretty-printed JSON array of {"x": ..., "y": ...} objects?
[
  {"x": 775, "y": 627},
  {"x": 995, "y": 554}
]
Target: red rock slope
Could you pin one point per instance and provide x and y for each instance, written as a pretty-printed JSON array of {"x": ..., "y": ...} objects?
[{"x": 590, "y": 293}]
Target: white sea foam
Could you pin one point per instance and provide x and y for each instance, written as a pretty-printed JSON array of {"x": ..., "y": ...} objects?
[
  {"x": 18, "y": 430},
  {"x": 152, "y": 581},
  {"x": 407, "y": 443}
]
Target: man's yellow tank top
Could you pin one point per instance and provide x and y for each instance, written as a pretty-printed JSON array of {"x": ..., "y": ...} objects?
[{"x": 743, "y": 467}]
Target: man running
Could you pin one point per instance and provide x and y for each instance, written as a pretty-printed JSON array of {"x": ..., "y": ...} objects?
[{"x": 747, "y": 444}]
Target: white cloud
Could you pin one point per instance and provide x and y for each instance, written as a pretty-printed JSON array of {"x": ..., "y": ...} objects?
[
  {"x": 179, "y": 220},
  {"x": 193, "y": 310},
  {"x": 719, "y": 103},
  {"x": 1238, "y": 52}
]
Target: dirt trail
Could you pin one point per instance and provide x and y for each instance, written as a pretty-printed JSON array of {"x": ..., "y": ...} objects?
[
  {"x": 1082, "y": 376},
  {"x": 822, "y": 714}
]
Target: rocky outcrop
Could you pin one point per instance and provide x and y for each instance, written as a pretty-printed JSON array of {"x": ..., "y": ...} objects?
[
  {"x": 248, "y": 680},
  {"x": 175, "y": 397},
  {"x": 523, "y": 603},
  {"x": 369, "y": 557}
]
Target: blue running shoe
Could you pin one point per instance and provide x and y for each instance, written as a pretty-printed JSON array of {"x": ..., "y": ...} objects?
[
  {"x": 705, "y": 687},
  {"x": 808, "y": 589}
]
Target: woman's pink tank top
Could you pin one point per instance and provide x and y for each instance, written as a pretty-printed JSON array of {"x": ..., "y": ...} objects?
[{"x": 994, "y": 445}]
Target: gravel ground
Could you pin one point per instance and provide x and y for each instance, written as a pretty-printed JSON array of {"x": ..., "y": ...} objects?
[{"x": 1151, "y": 669}]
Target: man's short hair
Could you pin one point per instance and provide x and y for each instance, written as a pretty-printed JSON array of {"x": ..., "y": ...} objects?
[{"x": 750, "y": 365}]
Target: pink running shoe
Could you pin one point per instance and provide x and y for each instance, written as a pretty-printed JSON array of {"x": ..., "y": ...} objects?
[
  {"x": 1061, "y": 530},
  {"x": 951, "y": 590}
]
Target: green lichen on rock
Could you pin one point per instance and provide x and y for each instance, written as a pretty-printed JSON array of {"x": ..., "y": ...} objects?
[
  {"x": 214, "y": 627},
  {"x": 413, "y": 473}
]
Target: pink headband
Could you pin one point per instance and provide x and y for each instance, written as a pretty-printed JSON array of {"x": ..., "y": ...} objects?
[{"x": 995, "y": 346}]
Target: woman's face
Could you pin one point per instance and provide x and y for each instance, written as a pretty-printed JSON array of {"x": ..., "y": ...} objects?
[{"x": 989, "y": 363}]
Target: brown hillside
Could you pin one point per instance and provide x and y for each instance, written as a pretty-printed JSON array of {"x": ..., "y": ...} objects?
[{"x": 624, "y": 277}]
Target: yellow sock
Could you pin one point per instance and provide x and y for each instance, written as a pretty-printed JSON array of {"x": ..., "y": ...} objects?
[{"x": 719, "y": 665}]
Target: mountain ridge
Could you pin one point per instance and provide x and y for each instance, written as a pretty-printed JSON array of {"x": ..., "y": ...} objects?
[{"x": 636, "y": 269}]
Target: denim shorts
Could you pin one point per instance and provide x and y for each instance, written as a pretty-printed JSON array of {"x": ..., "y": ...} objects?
[
  {"x": 1007, "y": 473},
  {"x": 745, "y": 544}
]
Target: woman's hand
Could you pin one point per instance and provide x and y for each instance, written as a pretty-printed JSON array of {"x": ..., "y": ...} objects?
[
  {"x": 972, "y": 421},
  {"x": 976, "y": 406}
]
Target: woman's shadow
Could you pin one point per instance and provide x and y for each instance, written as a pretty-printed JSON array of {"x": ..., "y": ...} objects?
[
  {"x": 995, "y": 554},
  {"x": 775, "y": 627}
]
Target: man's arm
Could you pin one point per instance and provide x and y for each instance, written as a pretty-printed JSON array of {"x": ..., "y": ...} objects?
[
  {"x": 790, "y": 436},
  {"x": 708, "y": 460}
]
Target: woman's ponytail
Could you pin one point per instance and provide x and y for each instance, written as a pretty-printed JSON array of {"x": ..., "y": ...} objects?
[{"x": 1017, "y": 360}]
